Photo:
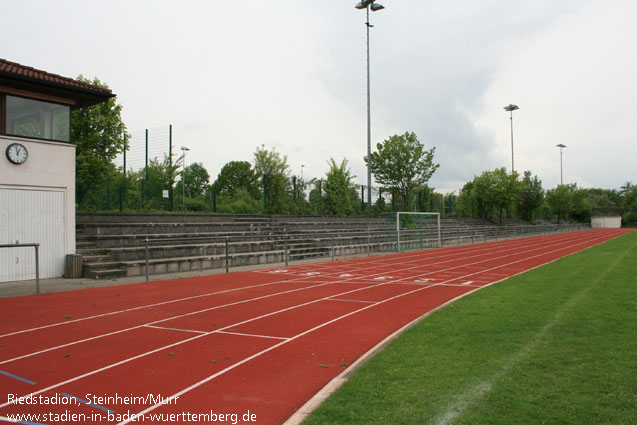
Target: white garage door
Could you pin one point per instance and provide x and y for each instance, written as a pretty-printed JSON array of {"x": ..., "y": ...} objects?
[{"x": 32, "y": 216}]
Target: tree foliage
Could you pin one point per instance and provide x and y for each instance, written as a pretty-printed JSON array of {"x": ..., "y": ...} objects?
[
  {"x": 402, "y": 164},
  {"x": 273, "y": 170},
  {"x": 561, "y": 200},
  {"x": 159, "y": 176},
  {"x": 196, "y": 178},
  {"x": 236, "y": 175},
  {"x": 497, "y": 188},
  {"x": 98, "y": 132},
  {"x": 531, "y": 196},
  {"x": 338, "y": 189}
]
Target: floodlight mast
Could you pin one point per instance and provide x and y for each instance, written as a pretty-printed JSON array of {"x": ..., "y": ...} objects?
[
  {"x": 510, "y": 108},
  {"x": 561, "y": 146},
  {"x": 369, "y": 4}
]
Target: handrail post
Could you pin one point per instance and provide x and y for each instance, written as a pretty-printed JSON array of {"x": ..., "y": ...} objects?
[
  {"x": 286, "y": 250},
  {"x": 37, "y": 268},
  {"x": 332, "y": 237},
  {"x": 227, "y": 265},
  {"x": 369, "y": 246},
  {"x": 146, "y": 255}
]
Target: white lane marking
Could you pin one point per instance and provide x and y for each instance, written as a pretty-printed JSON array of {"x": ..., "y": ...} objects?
[
  {"x": 253, "y": 335},
  {"x": 174, "y": 329}
]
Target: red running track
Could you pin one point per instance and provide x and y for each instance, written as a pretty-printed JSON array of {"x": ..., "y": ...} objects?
[{"x": 247, "y": 347}]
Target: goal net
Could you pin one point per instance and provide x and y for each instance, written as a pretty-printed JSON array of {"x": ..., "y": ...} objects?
[{"x": 411, "y": 230}]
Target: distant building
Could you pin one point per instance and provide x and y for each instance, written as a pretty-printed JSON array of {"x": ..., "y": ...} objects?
[
  {"x": 614, "y": 222},
  {"x": 37, "y": 168}
]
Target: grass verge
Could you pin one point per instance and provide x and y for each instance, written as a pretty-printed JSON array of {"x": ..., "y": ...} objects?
[{"x": 556, "y": 345}]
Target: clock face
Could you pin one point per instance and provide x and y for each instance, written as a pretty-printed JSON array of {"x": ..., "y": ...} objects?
[{"x": 17, "y": 153}]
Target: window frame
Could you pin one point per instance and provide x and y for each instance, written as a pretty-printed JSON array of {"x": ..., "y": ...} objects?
[{"x": 34, "y": 97}]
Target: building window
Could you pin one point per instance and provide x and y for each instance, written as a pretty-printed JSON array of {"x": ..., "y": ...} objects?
[{"x": 38, "y": 119}]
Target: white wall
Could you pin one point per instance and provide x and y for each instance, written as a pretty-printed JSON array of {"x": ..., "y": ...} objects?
[
  {"x": 43, "y": 180},
  {"x": 606, "y": 222}
]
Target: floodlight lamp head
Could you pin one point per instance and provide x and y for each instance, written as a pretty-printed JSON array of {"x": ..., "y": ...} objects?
[
  {"x": 376, "y": 7},
  {"x": 183, "y": 148},
  {"x": 364, "y": 3},
  {"x": 560, "y": 145},
  {"x": 511, "y": 107}
]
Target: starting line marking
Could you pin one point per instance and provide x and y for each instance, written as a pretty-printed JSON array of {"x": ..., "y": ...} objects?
[{"x": 425, "y": 280}]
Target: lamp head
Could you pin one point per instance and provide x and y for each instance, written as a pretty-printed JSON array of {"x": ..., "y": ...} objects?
[
  {"x": 560, "y": 145},
  {"x": 511, "y": 107},
  {"x": 363, "y": 4}
]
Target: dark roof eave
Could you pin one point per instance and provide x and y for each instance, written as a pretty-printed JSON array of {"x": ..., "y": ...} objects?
[
  {"x": 83, "y": 96},
  {"x": 30, "y": 79}
]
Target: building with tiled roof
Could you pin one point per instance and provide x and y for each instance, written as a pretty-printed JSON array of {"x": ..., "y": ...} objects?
[{"x": 37, "y": 170}]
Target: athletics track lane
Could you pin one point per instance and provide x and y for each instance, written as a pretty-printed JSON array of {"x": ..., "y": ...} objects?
[{"x": 263, "y": 341}]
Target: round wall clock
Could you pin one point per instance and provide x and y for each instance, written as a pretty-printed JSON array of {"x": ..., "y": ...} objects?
[{"x": 17, "y": 153}]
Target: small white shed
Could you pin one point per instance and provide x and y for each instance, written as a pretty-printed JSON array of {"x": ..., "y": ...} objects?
[{"x": 606, "y": 222}]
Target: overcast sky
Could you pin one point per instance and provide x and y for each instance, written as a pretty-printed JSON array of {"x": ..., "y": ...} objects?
[{"x": 290, "y": 74}]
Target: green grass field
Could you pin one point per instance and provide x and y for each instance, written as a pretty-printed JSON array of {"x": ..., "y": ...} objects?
[{"x": 556, "y": 345}]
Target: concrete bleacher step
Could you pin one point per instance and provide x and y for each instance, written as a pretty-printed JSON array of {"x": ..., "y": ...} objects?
[
  {"x": 106, "y": 273},
  {"x": 114, "y": 244}
]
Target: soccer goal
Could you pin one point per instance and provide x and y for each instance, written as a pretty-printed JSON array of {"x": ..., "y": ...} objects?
[{"x": 412, "y": 230}]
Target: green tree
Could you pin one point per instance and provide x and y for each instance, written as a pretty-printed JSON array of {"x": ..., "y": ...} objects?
[
  {"x": 240, "y": 202},
  {"x": 159, "y": 176},
  {"x": 315, "y": 197},
  {"x": 402, "y": 164},
  {"x": 467, "y": 203},
  {"x": 629, "y": 201},
  {"x": 338, "y": 189},
  {"x": 98, "y": 132},
  {"x": 497, "y": 188},
  {"x": 237, "y": 175},
  {"x": 582, "y": 211},
  {"x": 531, "y": 196},
  {"x": 196, "y": 178},
  {"x": 603, "y": 201},
  {"x": 273, "y": 170},
  {"x": 561, "y": 200},
  {"x": 300, "y": 202}
]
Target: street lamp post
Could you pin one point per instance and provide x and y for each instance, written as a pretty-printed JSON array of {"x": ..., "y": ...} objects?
[
  {"x": 561, "y": 146},
  {"x": 511, "y": 108},
  {"x": 183, "y": 179},
  {"x": 369, "y": 4}
]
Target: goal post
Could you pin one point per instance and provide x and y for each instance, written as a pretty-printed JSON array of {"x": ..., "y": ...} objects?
[{"x": 413, "y": 230}]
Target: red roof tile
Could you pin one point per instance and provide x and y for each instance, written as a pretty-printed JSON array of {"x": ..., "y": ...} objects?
[{"x": 46, "y": 77}]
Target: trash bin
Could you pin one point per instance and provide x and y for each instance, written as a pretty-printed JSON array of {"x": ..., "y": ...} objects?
[{"x": 73, "y": 266}]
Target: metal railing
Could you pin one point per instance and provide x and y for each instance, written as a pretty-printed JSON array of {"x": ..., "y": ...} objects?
[
  {"x": 364, "y": 241},
  {"x": 37, "y": 260}
]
